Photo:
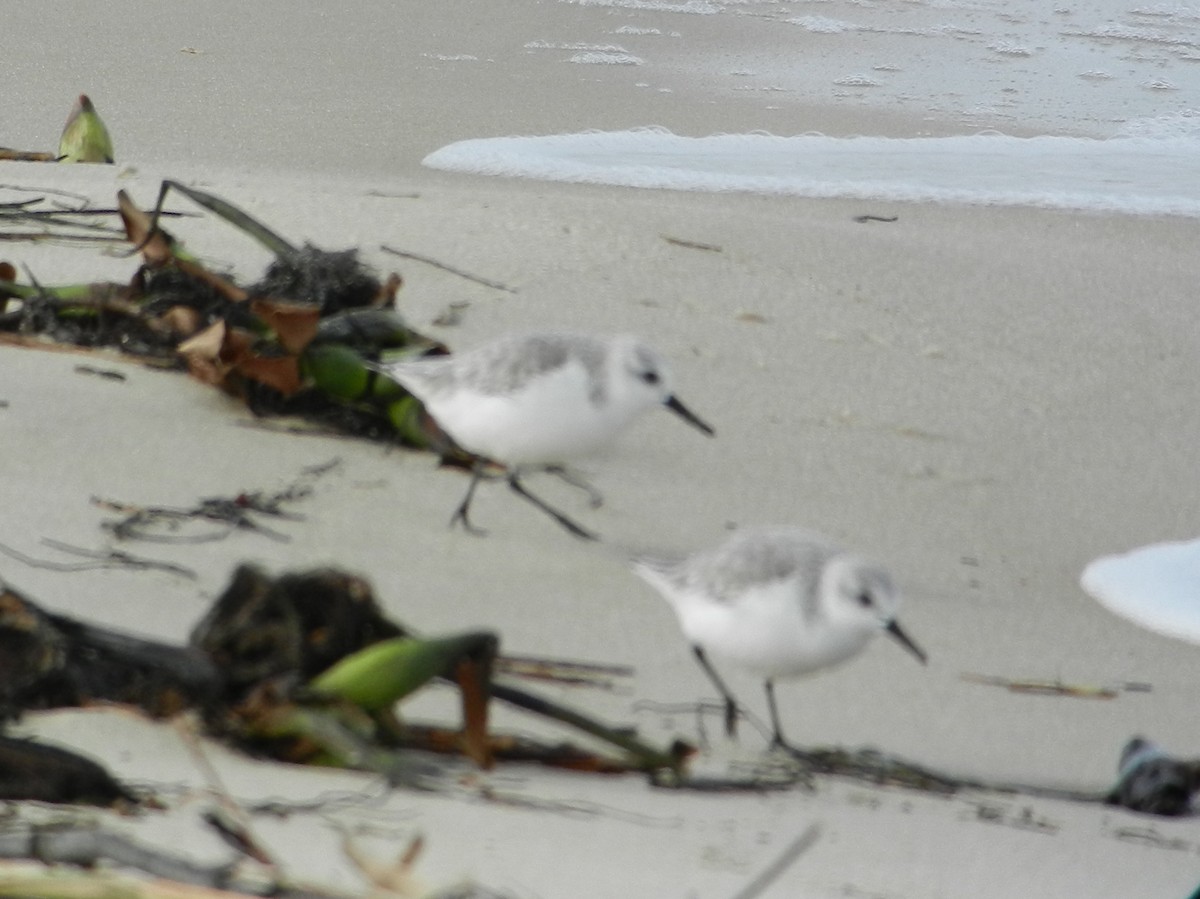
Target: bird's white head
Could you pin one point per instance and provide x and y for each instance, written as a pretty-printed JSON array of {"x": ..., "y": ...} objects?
[
  {"x": 859, "y": 594},
  {"x": 640, "y": 380},
  {"x": 639, "y": 375}
]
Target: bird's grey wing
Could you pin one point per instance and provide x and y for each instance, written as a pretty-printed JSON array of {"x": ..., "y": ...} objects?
[
  {"x": 759, "y": 557},
  {"x": 508, "y": 364},
  {"x": 421, "y": 377},
  {"x": 660, "y": 569}
]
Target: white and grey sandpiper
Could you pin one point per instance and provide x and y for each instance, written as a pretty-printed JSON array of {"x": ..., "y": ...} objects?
[
  {"x": 539, "y": 400},
  {"x": 778, "y": 602}
]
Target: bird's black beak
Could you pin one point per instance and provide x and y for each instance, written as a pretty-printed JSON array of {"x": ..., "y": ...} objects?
[
  {"x": 904, "y": 640},
  {"x": 688, "y": 415}
]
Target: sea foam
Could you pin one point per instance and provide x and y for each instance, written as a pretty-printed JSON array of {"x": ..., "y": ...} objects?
[
  {"x": 1154, "y": 586},
  {"x": 1129, "y": 174}
]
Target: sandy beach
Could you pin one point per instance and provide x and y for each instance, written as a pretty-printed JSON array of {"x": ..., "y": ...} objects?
[{"x": 983, "y": 398}]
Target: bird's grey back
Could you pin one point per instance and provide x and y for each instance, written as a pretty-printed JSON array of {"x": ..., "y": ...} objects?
[
  {"x": 750, "y": 558},
  {"x": 506, "y": 365}
]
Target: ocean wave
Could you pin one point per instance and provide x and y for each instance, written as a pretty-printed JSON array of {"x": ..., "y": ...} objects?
[{"x": 1130, "y": 174}]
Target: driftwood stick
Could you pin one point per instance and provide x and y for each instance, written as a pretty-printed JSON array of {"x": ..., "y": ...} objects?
[{"x": 417, "y": 257}]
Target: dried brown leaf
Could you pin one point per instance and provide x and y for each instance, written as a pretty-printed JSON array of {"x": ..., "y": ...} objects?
[
  {"x": 282, "y": 372},
  {"x": 181, "y": 320},
  {"x": 203, "y": 353},
  {"x": 386, "y": 298},
  {"x": 295, "y": 324},
  {"x": 155, "y": 247},
  {"x": 158, "y": 249}
]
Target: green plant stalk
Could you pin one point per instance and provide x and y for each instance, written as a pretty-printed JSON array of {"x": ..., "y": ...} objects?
[
  {"x": 646, "y": 756},
  {"x": 273, "y": 242},
  {"x": 377, "y": 677}
]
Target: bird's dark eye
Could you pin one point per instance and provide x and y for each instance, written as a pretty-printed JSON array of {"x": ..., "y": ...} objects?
[
  {"x": 650, "y": 377},
  {"x": 865, "y": 600}
]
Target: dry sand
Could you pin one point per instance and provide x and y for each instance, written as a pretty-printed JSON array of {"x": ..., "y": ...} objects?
[{"x": 983, "y": 398}]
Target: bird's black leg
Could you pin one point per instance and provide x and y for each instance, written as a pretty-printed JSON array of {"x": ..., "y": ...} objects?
[
  {"x": 731, "y": 711},
  {"x": 777, "y": 740},
  {"x": 460, "y": 514},
  {"x": 595, "y": 499},
  {"x": 519, "y": 488}
]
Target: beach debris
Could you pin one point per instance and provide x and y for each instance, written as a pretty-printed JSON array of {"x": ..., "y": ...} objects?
[
  {"x": 110, "y": 373},
  {"x": 862, "y": 219},
  {"x": 691, "y": 244},
  {"x": 52, "y": 222},
  {"x": 333, "y": 281},
  {"x": 95, "y": 851},
  {"x": 804, "y": 841},
  {"x": 1006, "y": 814},
  {"x": 84, "y": 137},
  {"x": 754, "y": 318},
  {"x": 398, "y": 879},
  {"x": 564, "y": 672},
  {"x": 11, "y": 155},
  {"x": 877, "y": 767},
  {"x": 417, "y": 257},
  {"x": 394, "y": 879},
  {"x": 298, "y": 342},
  {"x": 304, "y": 668},
  {"x": 1151, "y": 781},
  {"x": 377, "y": 677},
  {"x": 34, "y": 771},
  {"x": 110, "y": 558},
  {"x": 112, "y": 865},
  {"x": 54, "y": 661},
  {"x": 1037, "y": 687},
  {"x": 168, "y": 524}
]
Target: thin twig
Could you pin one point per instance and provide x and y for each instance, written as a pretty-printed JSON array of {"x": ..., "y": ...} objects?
[
  {"x": 1038, "y": 687},
  {"x": 136, "y": 518},
  {"x": 691, "y": 244},
  {"x": 236, "y": 829},
  {"x": 47, "y": 235},
  {"x": 53, "y": 213},
  {"x": 564, "y": 671},
  {"x": 47, "y": 190},
  {"x": 416, "y": 257},
  {"x": 115, "y": 558},
  {"x": 109, "y": 559},
  {"x": 26, "y": 155},
  {"x": 785, "y": 860}
]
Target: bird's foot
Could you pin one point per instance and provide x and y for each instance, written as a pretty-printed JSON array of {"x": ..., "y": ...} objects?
[{"x": 460, "y": 517}]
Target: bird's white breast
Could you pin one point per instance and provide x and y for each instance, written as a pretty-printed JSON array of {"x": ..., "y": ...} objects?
[
  {"x": 552, "y": 418},
  {"x": 763, "y": 631}
]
